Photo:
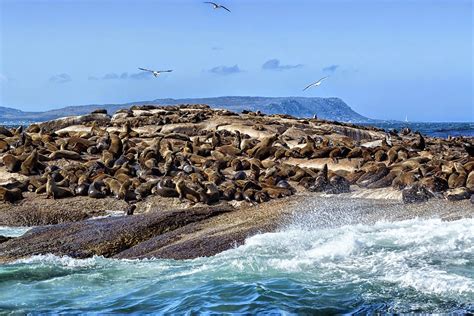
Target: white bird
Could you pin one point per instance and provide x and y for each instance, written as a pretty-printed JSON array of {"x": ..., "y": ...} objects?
[
  {"x": 155, "y": 73},
  {"x": 217, "y": 6},
  {"x": 316, "y": 84}
]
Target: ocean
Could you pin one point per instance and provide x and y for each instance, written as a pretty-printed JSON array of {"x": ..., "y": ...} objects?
[
  {"x": 390, "y": 267},
  {"x": 443, "y": 130}
]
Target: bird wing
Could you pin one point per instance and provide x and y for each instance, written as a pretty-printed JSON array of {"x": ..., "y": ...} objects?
[
  {"x": 224, "y": 8},
  {"x": 323, "y": 78},
  {"x": 309, "y": 86},
  {"x": 145, "y": 69},
  {"x": 164, "y": 70},
  {"x": 213, "y": 3}
]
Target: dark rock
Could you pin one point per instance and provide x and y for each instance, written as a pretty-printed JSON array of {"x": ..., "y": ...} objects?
[
  {"x": 4, "y": 239},
  {"x": 472, "y": 199},
  {"x": 103, "y": 237}
]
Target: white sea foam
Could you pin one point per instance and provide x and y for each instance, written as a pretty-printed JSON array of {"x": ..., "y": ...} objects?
[
  {"x": 416, "y": 262},
  {"x": 9, "y": 231}
]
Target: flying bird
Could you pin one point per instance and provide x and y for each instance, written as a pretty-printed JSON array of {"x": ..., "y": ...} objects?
[
  {"x": 155, "y": 73},
  {"x": 217, "y": 6},
  {"x": 316, "y": 84}
]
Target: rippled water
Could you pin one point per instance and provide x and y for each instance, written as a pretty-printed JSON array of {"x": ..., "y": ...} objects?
[{"x": 409, "y": 266}]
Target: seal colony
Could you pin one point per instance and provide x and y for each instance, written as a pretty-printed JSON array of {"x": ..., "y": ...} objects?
[
  {"x": 203, "y": 155},
  {"x": 226, "y": 176}
]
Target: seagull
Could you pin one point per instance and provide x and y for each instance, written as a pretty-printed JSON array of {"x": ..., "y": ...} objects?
[
  {"x": 316, "y": 84},
  {"x": 217, "y": 6},
  {"x": 155, "y": 73}
]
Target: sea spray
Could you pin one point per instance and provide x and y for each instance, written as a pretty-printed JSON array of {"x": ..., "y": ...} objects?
[{"x": 406, "y": 266}]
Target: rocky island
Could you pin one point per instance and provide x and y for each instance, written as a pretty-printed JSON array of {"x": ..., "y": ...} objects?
[{"x": 185, "y": 181}]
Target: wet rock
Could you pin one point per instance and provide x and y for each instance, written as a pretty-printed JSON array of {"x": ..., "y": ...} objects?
[
  {"x": 103, "y": 237},
  {"x": 4, "y": 239},
  {"x": 416, "y": 194}
]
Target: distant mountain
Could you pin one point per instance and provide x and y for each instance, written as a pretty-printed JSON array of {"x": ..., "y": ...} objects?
[{"x": 326, "y": 108}]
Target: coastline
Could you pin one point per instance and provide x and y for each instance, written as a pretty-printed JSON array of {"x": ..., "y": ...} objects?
[{"x": 288, "y": 176}]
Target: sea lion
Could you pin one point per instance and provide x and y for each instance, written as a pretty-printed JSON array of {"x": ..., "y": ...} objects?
[
  {"x": 263, "y": 149},
  {"x": 355, "y": 152},
  {"x": 97, "y": 190},
  {"x": 130, "y": 210},
  {"x": 470, "y": 181},
  {"x": 435, "y": 184},
  {"x": 308, "y": 149},
  {"x": 321, "y": 182},
  {"x": 373, "y": 174},
  {"x": 65, "y": 154},
  {"x": 116, "y": 146},
  {"x": 164, "y": 189},
  {"x": 458, "y": 194},
  {"x": 54, "y": 191},
  {"x": 383, "y": 182},
  {"x": 10, "y": 195},
  {"x": 12, "y": 163},
  {"x": 29, "y": 166},
  {"x": 419, "y": 143},
  {"x": 404, "y": 179},
  {"x": 144, "y": 189},
  {"x": 184, "y": 192},
  {"x": 338, "y": 184},
  {"x": 415, "y": 194},
  {"x": 113, "y": 186}
]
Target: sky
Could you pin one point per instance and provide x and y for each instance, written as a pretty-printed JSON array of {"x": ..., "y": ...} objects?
[{"x": 387, "y": 59}]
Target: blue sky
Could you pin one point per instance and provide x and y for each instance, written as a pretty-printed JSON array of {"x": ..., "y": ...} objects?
[{"x": 386, "y": 58}]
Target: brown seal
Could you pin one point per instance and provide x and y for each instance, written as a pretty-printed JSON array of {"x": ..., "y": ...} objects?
[
  {"x": 54, "y": 191},
  {"x": 29, "y": 166},
  {"x": 185, "y": 192},
  {"x": 10, "y": 195}
]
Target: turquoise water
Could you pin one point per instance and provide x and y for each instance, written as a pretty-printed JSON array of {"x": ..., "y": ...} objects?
[{"x": 408, "y": 266}]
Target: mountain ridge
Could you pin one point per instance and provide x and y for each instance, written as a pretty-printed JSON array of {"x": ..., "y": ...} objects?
[{"x": 332, "y": 108}]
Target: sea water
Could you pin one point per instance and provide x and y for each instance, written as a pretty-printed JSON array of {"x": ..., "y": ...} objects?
[{"x": 408, "y": 266}]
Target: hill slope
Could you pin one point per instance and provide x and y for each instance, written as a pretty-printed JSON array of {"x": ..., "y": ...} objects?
[{"x": 326, "y": 108}]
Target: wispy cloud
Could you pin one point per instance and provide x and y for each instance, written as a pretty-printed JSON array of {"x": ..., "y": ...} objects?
[
  {"x": 275, "y": 64},
  {"x": 216, "y": 48},
  {"x": 61, "y": 78},
  {"x": 331, "y": 68},
  {"x": 3, "y": 78},
  {"x": 144, "y": 75},
  {"x": 123, "y": 76},
  {"x": 114, "y": 76},
  {"x": 226, "y": 70}
]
